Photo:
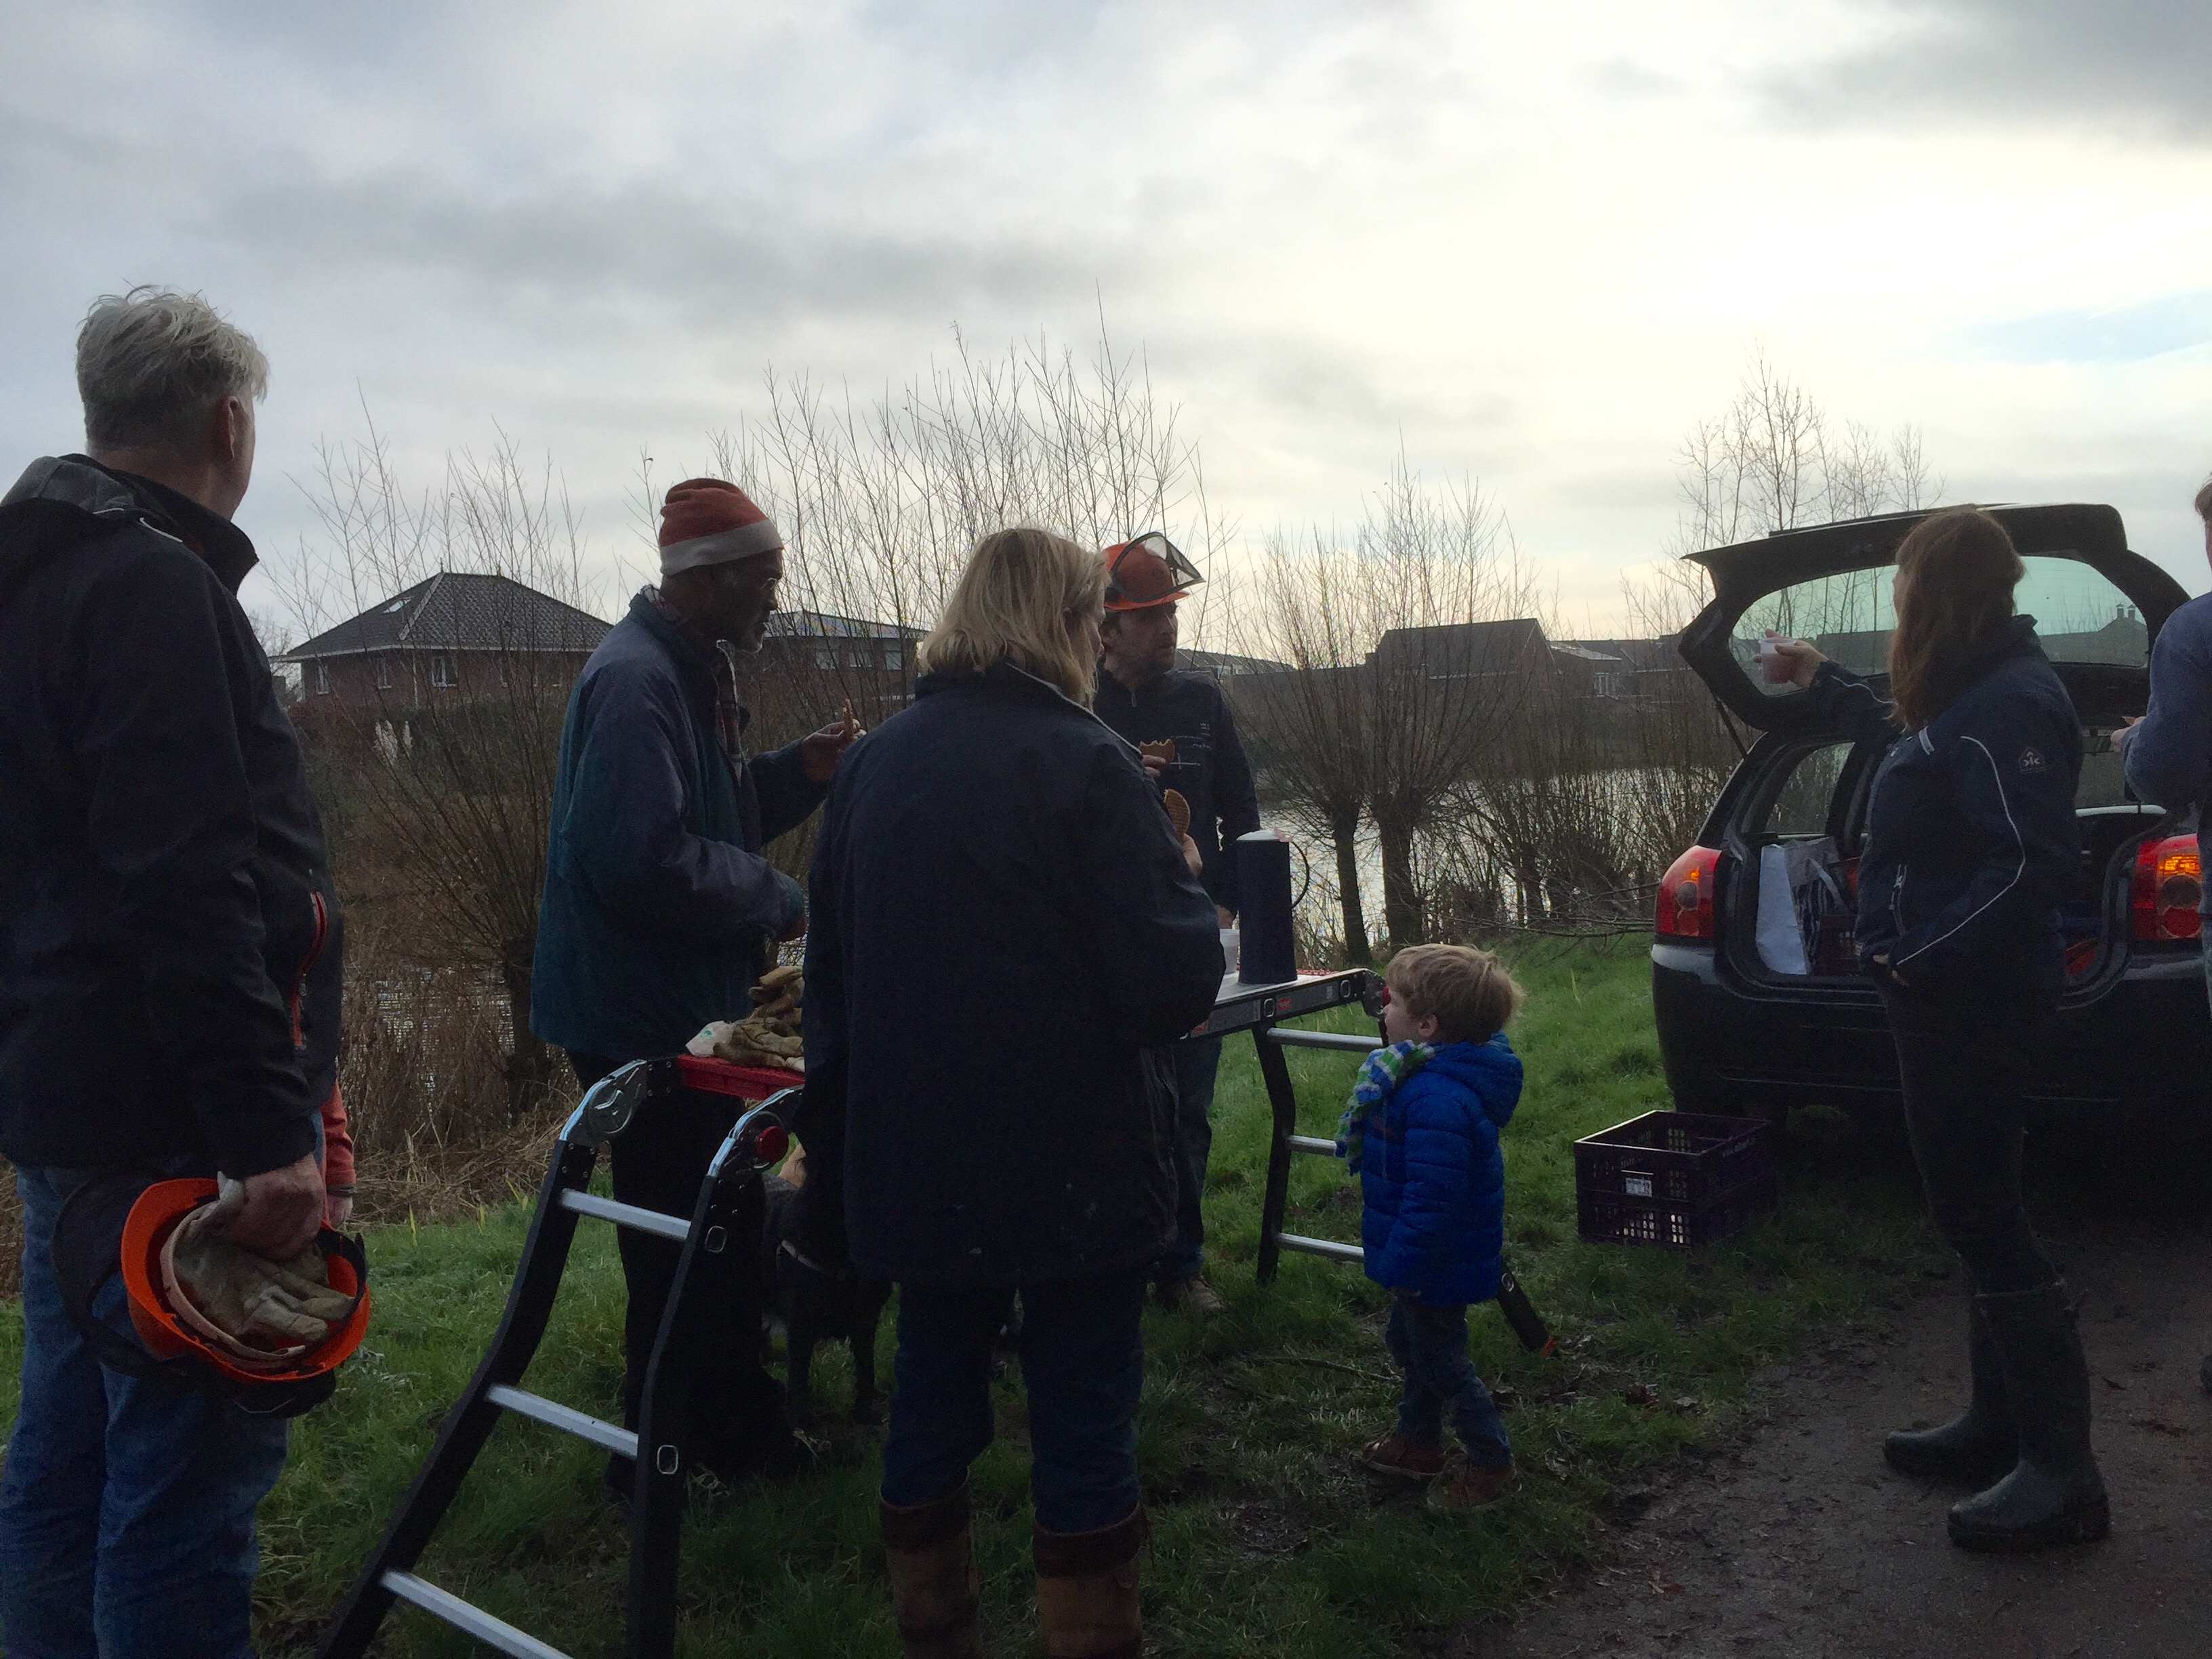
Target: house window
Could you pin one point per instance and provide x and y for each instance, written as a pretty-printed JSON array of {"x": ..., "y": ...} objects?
[
  {"x": 442, "y": 670},
  {"x": 859, "y": 656},
  {"x": 895, "y": 657},
  {"x": 825, "y": 656},
  {"x": 384, "y": 673},
  {"x": 322, "y": 679}
]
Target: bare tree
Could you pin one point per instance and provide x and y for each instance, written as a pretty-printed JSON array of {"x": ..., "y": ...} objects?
[
  {"x": 1411, "y": 655},
  {"x": 1775, "y": 460},
  {"x": 455, "y": 787}
]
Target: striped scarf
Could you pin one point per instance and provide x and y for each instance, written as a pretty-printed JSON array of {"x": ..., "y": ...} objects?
[{"x": 1380, "y": 1074}]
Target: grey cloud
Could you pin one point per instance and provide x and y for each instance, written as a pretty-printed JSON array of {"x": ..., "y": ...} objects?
[
  {"x": 2136, "y": 66},
  {"x": 585, "y": 252}
]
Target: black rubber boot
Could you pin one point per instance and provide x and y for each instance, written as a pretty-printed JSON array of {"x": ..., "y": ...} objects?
[
  {"x": 2054, "y": 1494},
  {"x": 1977, "y": 1447}
]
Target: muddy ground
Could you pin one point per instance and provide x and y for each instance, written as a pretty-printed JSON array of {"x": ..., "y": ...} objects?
[{"x": 1798, "y": 1543}]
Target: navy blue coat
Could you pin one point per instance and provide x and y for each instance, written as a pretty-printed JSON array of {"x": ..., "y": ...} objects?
[
  {"x": 165, "y": 890},
  {"x": 1434, "y": 1176},
  {"x": 1971, "y": 834},
  {"x": 1001, "y": 923},
  {"x": 659, "y": 912}
]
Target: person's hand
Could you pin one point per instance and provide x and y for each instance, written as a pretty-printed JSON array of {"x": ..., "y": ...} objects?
[
  {"x": 1190, "y": 856},
  {"x": 2125, "y": 730},
  {"x": 278, "y": 1211},
  {"x": 1792, "y": 660},
  {"x": 1882, "y": 961},
  {"x": 1155, "y": 766},
  {"x": 819, "y": 754},
  {"x": 1225, "y": 916},
  {"x": 337, "y": 1210}
]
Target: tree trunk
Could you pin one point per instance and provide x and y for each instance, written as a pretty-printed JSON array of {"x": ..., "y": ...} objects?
[
  {"x": 529, "y": 1061},
  {"x": 1344, "y": 830},
  {"x": 1401, "y": 904}
]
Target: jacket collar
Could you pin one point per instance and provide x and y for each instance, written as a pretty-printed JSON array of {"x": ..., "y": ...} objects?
[
  {"x": 1112, "y": 692},
  {"x": 696, "y": 664},
  {"x": 100, "y": 492}
]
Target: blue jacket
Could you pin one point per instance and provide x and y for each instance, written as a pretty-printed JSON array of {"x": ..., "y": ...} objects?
[
  {"x": 1003, "y": 932},
  {"x": 2169, "y": 756},
  {"x": 1971, "y": 829},
  {"x": 660, "y": 911},
  {"x": 1434, "y": 1177}
]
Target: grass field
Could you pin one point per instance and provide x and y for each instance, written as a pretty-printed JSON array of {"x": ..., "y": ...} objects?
[{"x": 1267, "y": 1540}]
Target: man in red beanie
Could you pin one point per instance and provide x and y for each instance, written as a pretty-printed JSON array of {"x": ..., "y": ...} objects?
[{"x": 661, "y": 913}]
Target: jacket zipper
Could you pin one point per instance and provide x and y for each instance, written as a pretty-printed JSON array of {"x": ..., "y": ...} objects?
[{"x": 307, "y": 965}]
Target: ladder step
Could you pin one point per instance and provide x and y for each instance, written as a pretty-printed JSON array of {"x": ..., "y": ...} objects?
[
  {"x": 627, "y": 1215},
  {"x": 1313, "y": 1143},
  {"x": 1328, "y": 1247},
  {"x": 1349, "y": 1042},
  {"x": 562, "y": 1417},
  {"x": 463, "y": 1616}
]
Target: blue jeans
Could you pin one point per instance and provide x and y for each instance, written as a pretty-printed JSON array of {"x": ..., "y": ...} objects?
[
  {"x": 1195, "y": 1064},
  {"x": 126, "y": 1509},
  {"x": 1430, "y": 1344},
  {"x": 1083, "y": 1365}
]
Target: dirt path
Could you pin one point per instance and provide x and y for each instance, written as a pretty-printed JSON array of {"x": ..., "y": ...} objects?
[{"x": 1802, "y": 1545}]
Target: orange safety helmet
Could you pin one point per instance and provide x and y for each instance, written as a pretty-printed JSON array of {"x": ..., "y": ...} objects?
[
  {"x": 174, "y": 1339},
  {"x": 1147, "y": 570}
]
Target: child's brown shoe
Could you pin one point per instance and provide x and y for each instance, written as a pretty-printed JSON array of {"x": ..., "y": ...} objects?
[
  {"x": 1472, "y": 1486},
  {"x": 1408, "y": 1460}
]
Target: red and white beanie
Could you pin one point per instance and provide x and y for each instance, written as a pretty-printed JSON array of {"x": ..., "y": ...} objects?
[{"x": 712, "y": 521}]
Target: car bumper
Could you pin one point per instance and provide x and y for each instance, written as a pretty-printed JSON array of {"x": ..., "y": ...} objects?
[{"x": 2140, "y": 1040}]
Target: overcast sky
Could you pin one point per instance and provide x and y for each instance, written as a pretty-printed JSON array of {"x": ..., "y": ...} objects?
[{"x": 1534, "y": 245}]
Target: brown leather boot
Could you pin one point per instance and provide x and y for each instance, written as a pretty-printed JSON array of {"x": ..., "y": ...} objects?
[
  {"x": 1087, "y": 1590},
  {"x": 935, "y": 1584}
]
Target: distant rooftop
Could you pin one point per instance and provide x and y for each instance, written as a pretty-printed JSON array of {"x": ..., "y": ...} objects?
[{"x": 456, "y": 611}]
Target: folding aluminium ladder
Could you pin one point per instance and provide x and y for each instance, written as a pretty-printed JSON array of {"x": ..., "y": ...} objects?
[{"x": 719, "y": 1240}]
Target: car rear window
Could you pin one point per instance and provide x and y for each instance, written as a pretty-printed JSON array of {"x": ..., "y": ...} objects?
[{"x": 2080, "y": 616}]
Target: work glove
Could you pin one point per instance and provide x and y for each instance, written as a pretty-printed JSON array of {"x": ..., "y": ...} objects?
[{"x": 264, "y": 1303}]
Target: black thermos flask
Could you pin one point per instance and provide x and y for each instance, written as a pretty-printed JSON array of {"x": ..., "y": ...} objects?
[{"x": 1269, "y": 956}]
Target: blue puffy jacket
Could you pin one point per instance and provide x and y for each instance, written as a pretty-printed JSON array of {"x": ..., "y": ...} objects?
[{"x": 1434, "y": 1179}]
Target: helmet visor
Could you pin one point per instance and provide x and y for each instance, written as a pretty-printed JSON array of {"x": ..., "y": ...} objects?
[{"x": 1148, "y": 570}]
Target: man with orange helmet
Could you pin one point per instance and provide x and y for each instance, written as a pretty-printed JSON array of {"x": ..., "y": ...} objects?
[{"x": 1182, "y": 722}]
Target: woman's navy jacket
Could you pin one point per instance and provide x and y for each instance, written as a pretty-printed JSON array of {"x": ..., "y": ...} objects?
[
  {"x": 1970, "y": 831},
  {"x": 1434, "y": 1176},
  {"x": 659, "y": 912},
  {"x": 1002, "y": 924}
]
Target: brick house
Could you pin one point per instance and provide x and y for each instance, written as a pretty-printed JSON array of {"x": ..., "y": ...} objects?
[{"x": 445, "y": 637}]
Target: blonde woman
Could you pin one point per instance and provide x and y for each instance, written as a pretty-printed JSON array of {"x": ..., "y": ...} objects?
[{"x": 1002, "y": 924}]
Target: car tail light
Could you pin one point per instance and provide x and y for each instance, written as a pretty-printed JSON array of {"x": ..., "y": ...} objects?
[
  {"x": 2169, "y": 886},
  {"x": 1685, "y": 896}
]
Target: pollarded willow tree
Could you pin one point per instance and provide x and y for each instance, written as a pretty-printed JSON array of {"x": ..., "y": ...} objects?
[{"x": 1413, "y": 654}]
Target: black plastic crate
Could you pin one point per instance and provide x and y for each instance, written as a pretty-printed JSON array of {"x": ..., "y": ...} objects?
[{"x": 1673, "y": 1178}]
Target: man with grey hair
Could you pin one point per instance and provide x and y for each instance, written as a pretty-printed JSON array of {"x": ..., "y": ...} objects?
[
  {"x": 164, "y": 894},
  {"x": 660, "y": 911}
]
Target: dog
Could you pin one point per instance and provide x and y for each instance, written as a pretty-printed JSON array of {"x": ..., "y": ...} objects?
[{"x": 818, "y": 1301}]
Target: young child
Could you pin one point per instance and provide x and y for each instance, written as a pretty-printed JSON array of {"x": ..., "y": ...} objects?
[{"x": 1422, "y": 1134}]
